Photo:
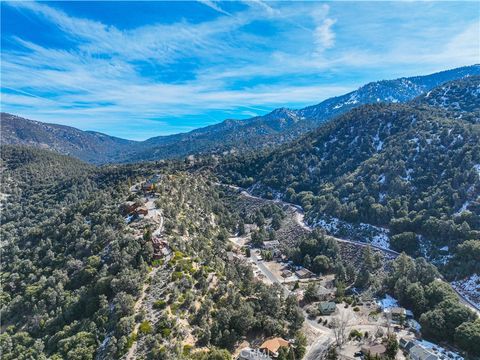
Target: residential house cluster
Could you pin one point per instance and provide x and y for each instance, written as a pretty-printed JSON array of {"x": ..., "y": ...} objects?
[
  {"x": 397, "y": 314},
  {"x": 274, "y": 247}
]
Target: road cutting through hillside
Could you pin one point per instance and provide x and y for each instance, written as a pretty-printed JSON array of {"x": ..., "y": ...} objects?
[{"x": 300, "y": 219}]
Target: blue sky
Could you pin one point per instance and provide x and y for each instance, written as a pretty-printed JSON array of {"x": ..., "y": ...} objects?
[{"x": 142, "y": 69}]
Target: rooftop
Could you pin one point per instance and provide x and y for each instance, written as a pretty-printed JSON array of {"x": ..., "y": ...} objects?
[
  {"x": 322, "y": 290},
  {"x": 271, "y": 243},
  {"x": 327, "y": 306},
  {"x": 374, "y": 350},
  {"x": 419, "y": 353},
  {"x": 303, "y": 272},
  {"x": 272, "y": 345}
]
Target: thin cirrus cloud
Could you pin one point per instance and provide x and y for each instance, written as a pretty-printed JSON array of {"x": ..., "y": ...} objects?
[
  {"x": 235, "y": 59},
  {"x": 213, "y": 5}
]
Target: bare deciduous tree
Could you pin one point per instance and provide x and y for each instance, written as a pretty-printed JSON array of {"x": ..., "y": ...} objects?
[{"x": 339, "y": 326}]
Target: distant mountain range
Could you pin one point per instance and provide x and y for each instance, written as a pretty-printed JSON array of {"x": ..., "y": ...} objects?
[
  {"x": 406, "y": 175},
  {"x": 277, "y": 127},
  {"x": 89, "y": 146}
]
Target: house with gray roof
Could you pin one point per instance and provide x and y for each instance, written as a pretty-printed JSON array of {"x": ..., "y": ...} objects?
[{"x": 418, "y": 352}]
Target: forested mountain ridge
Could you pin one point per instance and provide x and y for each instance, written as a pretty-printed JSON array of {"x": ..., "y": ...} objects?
[
  {"x": 73, "y": 270},
  {"x": 59, "y": 218},
  {"x": 266, "y": 131},
  {"x": 459, "y": 97},
  {"x": 395, "y": 91},
  {"x": 283, "y": 125},
  {"x": 404, "y": 167},
  {"x": 89, "y": 146}
]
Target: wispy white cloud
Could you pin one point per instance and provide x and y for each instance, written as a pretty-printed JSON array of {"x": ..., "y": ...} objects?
[
  {"x": 214, "y": 5},
  {"x": 235, "y": 71},
  {"x": 262, "y": 5},
  {"x": 325, "y": 37}
]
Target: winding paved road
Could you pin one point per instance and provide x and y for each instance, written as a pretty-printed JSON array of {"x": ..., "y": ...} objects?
[
  {"x": 300, "y": 215},
  {"x": 299, "y": 218}
]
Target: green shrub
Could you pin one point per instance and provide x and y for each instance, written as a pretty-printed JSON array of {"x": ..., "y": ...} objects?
[
  {"x": 177, "y": 275},
  {"x": 157, "y": 262},
  {"x": 187, "y": 349},
  {"x": 165, "y": 332},
  {"x": 160, "y": 304},
  {"x": 355, "y": 334},
  {"x": 145, "y": 327},
  {"x": 131, "y": 339}
]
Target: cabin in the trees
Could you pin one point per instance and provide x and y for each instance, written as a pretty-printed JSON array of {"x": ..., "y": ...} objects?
[
  {"x": 129, "y": 207},
  {"x": 304, "y": 273},
  {"x": 271, "y": 346},
  {"x": 149, "y": 185},
  {"x": 327, "y": 307},
  {"x": 142, "y": 210},
  {"x": 160, "y": 248}
]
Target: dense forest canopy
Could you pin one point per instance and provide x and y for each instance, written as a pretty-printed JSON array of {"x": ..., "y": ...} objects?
[
  {"x": 410, "y": 168},
  {"x": 72, "y": 269}
]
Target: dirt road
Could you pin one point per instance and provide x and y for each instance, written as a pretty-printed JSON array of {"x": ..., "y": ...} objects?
[{"x": 155, "y": 214}]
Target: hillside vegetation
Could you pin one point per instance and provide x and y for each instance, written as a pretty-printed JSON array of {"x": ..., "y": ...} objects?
[
  {"x": 89, "y": 146},
  {"x": 267, "y": 131},
  {"x": 408, "y": 168},
  {"x": 461, "y": 98},
  {"x": 73, "y": 270}
]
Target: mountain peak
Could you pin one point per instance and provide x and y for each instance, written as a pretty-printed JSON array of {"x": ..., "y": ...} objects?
[{"x": 277, "y": 127}]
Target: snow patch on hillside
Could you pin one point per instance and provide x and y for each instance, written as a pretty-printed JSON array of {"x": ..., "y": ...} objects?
[
  {"x": 362, "y": 232},
  {"x": 477, "y": 168},
  {"x": 464, "y": 207},
  {"x": 408, "y": 176},
  {"x": 377, "y": 143},
  {"x": 470, "y": 288},
  {"x": 330, "y": 225},
  {"x": 381, "y": 197},
  {"x": 380, "y": 235}
]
